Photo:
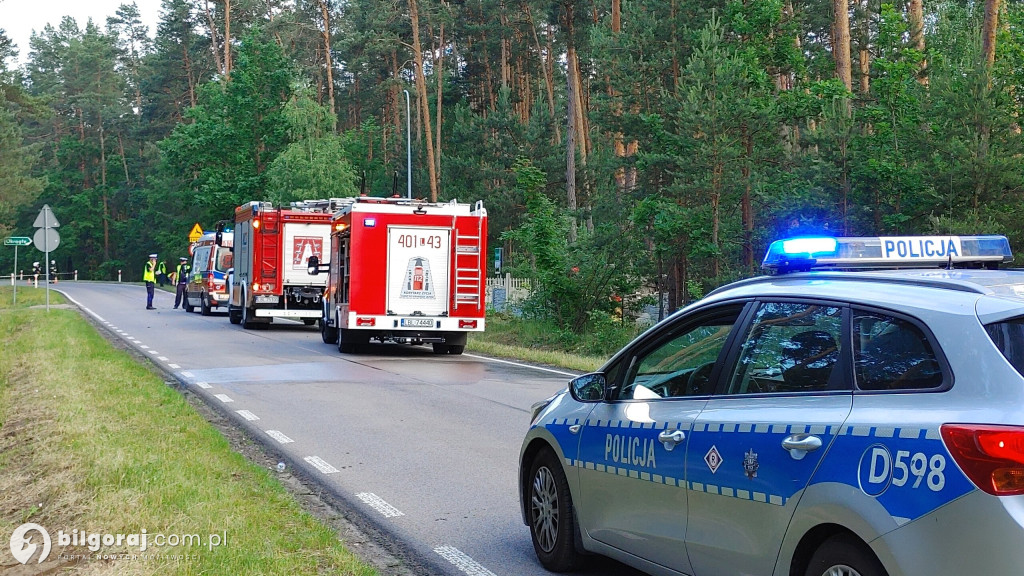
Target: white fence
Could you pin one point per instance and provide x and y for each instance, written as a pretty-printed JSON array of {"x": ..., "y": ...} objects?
[{"x": 502, "y": 292}]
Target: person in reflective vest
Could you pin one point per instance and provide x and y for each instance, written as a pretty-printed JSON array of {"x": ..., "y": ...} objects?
[
  {"x": 181, "y": 281},
  {"x": 149, "y": 277}
]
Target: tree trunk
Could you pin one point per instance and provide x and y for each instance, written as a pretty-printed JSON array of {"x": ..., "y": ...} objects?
[
  {"x": 988, "y": 32},
  {"x": 213, "y": 38},
  {"x": 915, "y": 14},
  {"x": 421, "y": 90},
  {"x": 227, "y": 39},
  {"x": 746, "y": 205},
  {"x": 325, "y": 14},
  {"x": 570, "y": 155},
  {"x": 841, "y": 42}
]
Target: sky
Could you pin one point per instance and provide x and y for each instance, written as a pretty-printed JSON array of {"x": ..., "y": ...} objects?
[{"x": 19, "y": 18}]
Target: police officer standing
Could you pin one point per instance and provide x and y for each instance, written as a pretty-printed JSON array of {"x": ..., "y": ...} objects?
[
  {"x": 149, "y": 277},
  {"x": 181, "y": 280}
]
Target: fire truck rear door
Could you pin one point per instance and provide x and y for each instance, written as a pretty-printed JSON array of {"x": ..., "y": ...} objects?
[{"x": 418, "y": 270}]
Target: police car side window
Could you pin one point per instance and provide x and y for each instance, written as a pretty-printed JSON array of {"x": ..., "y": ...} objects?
[
  {"x": 891, "y": 353},
  {"x": 790, "y": 347},
  {"x": 1008, "y": 336},
  {"x": 681, "y": 363}
]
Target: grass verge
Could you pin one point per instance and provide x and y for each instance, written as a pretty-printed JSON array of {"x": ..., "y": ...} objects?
[
  {"x": 93, "y": 440},
  {"x": 542, "y": 342}
]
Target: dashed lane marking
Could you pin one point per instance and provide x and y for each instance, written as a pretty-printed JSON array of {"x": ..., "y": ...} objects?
[
  {"x": 246, "y": 414},
  {"x": 319, "y": 463},
  {"x": 464, "y": 563},
  {"x": 279, "y": 436},
  {"x": 204, "y": 386},
  {"x": 187, "y": 374},
  {"x": 378, "y": 504},
  {"x": 223, "y": 398}
]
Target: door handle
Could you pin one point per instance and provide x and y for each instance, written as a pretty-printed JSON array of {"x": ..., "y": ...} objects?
[
  {"x": 799, "y": 445},
  {"x": 670, "y": 438}
]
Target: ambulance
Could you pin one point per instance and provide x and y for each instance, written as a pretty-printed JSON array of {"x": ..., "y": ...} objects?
[
  {"x": 272, "y": 247},
  {"x": 211, "y": 260},
  {"x": 404, "y": 271}
]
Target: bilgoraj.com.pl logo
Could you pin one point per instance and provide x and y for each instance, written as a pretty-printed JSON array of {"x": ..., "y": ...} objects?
[
  {"x": 24, "y": 542},
  {"x": 28, "y": 538}
]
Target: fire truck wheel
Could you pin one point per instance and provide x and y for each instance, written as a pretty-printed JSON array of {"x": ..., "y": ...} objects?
[
  {"x": 247, "y": 323},
  {"x": 441, "y": 348},
  {"x": 329, "y": 334},
  {"x": 456, "y": 349},
  {"x": 309, "y": 321},
  {"x": 345, "y": 344}
]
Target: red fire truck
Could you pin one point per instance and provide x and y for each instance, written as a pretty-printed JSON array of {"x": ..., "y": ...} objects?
[
  {"x": 272, "y": 248},
  {"x": 404, "y": 271}
]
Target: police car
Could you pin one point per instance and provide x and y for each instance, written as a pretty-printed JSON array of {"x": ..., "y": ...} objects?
[{"x": 858, "y": 411}]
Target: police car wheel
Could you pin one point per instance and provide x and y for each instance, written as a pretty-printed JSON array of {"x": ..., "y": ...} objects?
[
  {"x": 552, "y": 520},
  {"x": 844, "y": 556},
  {"x": 204, "y": 305}
]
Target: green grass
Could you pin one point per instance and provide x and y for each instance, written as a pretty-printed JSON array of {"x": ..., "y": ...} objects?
[
  {"x": 544, "y": 343},
  {"x": 90, "y": 438}
]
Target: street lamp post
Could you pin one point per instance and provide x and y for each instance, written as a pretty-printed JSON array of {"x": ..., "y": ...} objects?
[{"x": 408, "y": 147}]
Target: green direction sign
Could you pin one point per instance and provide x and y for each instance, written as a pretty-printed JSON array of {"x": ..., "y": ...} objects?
[{"x": 17, "y": 241}]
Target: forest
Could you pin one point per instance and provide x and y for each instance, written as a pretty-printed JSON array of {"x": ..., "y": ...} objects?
[{"x": 621, "y": 147}]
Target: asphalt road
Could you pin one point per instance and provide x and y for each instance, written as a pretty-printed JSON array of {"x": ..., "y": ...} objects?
[{"x": 423, "y": 447}]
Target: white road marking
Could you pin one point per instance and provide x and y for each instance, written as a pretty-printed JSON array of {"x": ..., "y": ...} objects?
[
  {"x": 203, "y": 385},
  {"x": 279, "y": 436},
  {"x": 143, "y": 346},
  {"x": 570, "y": 374},
  {"x": 464, "y": 563},
  {"x": 378, "y": 504},
  {"x": 245, "y": 413},
  {"x": 223, "y": 398},
  {"x": 173, "y": 366},
  {"x": 152, "y": 351},
  {"x": 187, "y": 374},
  {"x": 319, "y": 463},
  {"x": 162, "y": 358}
]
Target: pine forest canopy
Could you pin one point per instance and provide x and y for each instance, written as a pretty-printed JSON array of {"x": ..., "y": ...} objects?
[{"x": 686, "y": 134}]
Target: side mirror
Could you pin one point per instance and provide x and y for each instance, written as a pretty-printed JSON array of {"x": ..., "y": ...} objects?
[
  {"x": 220, "y": 234},
  {"x": 588, "y": 388},
  {"x": 313, "y": 265}
]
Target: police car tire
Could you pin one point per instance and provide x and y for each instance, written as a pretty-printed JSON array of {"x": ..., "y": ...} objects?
[
  {"x": 547, "y": 482},
  {"x": 844, "y": 555},
  {"x": 204, "y": 305}
]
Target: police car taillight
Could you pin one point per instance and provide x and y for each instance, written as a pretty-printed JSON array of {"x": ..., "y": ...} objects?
[{"x": 991, "y": 456}]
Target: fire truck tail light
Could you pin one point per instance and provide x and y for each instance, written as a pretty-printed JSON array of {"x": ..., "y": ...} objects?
[
  {"x": 467, "y": 323},
  {"x": 340, "y": 226},
  {"x": 366, "y": 321},
  {"x": 256, "y": 223},
  {"x": 991, "y": 456},
  {"x": 255, "y": 286}
]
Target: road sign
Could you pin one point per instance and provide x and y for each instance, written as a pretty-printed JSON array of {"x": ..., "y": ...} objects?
[
  {"x": 196, "y": 233},
  {"x": 46, "y": 240},
  {"x": 46, "y": 219},
  {"x": 17, "y": 241}
]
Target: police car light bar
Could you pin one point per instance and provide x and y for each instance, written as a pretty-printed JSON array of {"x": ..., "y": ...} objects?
[{"x": 885, "y": 252}]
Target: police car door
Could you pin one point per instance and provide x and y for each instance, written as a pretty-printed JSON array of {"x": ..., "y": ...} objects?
[
  {"x": 757, "y": 442},
  {"x": 632, "y": 448}
]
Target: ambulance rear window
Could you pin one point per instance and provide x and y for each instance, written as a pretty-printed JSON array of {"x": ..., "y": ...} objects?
[{"x": 1008, "y": 336}]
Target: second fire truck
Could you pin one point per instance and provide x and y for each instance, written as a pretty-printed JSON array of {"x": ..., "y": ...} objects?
[{"x": 272, "y": 248}]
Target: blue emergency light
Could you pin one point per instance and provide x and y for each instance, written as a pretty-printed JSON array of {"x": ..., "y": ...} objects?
[{"x": 885, "y": 252}]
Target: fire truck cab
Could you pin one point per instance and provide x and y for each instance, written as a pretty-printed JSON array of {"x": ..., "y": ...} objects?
[
  {"x": 404, "y": 271},
  {"x": 273, "y": 245}
]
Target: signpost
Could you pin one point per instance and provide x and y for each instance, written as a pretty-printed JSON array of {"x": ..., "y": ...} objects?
[
  {"x": 46, "y": 239},
  {"x": 16, "y": 241}
]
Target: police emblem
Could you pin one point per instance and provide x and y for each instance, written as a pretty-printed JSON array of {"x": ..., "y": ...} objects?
[{"x": 750, "y": 464}]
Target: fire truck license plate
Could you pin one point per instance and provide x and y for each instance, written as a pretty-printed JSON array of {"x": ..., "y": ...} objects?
[
  {"x": 266, "y": 299},
  {"x": 417, "y": 322}
]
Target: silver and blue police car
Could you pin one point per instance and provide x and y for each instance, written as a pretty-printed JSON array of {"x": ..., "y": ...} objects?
[{"x": 858, "y": 411}]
